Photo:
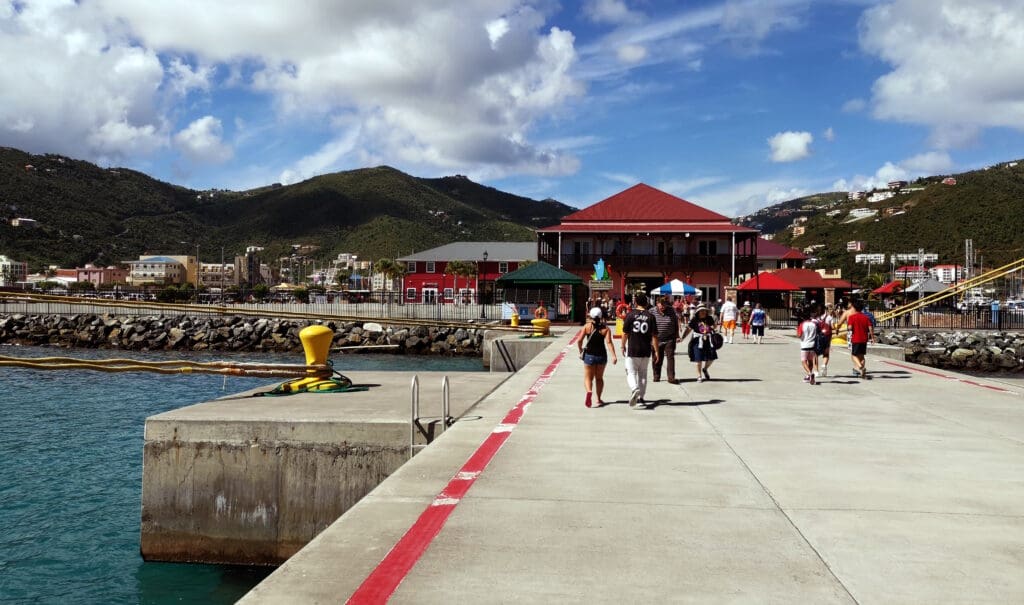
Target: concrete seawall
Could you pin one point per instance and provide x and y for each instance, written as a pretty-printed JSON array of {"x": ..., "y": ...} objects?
[{"x": 250, "y": 480}]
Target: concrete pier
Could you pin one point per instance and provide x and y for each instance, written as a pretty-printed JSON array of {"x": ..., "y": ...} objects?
[
  {"x": 753, "y": 487},
  {"x": 247, "y": 480}
]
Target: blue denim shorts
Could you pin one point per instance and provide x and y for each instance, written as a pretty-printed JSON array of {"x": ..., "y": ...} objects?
[{"x": 595, "y": 360}]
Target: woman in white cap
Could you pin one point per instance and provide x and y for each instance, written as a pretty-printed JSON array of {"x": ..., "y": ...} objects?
[{"x": 594, "y": 353}]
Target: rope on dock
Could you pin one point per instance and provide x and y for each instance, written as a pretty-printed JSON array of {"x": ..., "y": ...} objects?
[{"x": 224, "y": 368}]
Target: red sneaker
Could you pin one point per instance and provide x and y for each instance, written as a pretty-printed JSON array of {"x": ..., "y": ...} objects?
[{"x": 587, "y": 402}]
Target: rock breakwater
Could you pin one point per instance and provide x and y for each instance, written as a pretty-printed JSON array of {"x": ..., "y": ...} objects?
[
  {"x": 960, "y": 350},
  {"x": 233, "y": 333}
]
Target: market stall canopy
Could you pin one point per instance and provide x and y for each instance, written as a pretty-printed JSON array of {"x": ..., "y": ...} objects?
[
  {"x": 927, "y": 286},
  {"x": 893, "y": 287},
  {"x": 538, "y": 274},
  {"x": 676, "y": 288},
  {"x": 789, "y": 280}
]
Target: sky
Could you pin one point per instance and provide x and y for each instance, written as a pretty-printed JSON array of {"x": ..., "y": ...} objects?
[{"x": 731, "y": 104}]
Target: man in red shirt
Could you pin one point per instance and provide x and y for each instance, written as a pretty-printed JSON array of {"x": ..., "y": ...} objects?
[{"x": 859, "y": 326}]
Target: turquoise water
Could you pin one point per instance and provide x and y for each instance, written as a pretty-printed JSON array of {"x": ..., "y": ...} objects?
[{"x": 70, "y": 498}]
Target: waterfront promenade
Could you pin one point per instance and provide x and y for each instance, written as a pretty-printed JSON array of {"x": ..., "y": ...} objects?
[{"x": 751, "y": 488}]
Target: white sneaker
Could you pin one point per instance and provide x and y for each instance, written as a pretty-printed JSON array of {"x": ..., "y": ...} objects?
[
  {"x": 824, "y": 371},
  {"x": 634, "y": 398}
]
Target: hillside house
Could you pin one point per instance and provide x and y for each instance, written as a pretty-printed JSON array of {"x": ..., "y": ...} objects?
[
  {"x": 880, "y": 196},
  {"x": 949, "y": 181},
  {"x": 874, "y": 259},
  {"x": 645, "y": 238},
  {"x": 911, "y": 272},
  {"x": 856, "y": 246},
  {"x": 948, "y": 274},
  {"x": 799, "y": 230},
  {"x": 861, "y": 213}
]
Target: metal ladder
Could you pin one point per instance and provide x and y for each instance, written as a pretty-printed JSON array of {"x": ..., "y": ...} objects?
[{"x": 427, "y": 431}]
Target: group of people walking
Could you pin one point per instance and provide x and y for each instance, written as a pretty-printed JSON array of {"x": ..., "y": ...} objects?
[
  {"x": 649, "y": 337},
  {"x": 650, "y": 334}
]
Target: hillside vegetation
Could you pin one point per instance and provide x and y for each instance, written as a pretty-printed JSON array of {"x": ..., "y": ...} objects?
[
  {"x": 986, "y": 206},
  {"x": 90, "y": 214}
]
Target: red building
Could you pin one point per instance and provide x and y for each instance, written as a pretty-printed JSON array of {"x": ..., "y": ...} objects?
[
  {"x": 429, "y": 278},
  {"x": 646, "y": 237}
]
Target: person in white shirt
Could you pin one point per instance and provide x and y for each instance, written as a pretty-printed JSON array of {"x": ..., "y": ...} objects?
[
  {"x": 728, "y": 315},
  {"x": 807, "y": 331}
]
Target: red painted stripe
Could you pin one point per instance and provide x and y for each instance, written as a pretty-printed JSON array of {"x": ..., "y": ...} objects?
[
  {"x": 948, "y": 377},
  {"x": 392, "y": 570}
]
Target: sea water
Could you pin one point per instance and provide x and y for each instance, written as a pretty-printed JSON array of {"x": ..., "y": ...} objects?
[{"x": 71, "y": 459}]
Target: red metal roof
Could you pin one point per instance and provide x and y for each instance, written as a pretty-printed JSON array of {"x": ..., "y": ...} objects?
[
  {"x": 643, "y": 202},
  {"x": 791, "y": 279},
  {"x": 648, "y": 227},
  {"x": 766, "y": 248}
]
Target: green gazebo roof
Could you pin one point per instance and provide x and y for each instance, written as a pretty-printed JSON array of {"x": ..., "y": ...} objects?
[{"x": 539, "y": 273}]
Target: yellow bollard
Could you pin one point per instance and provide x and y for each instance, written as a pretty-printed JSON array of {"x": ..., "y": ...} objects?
[
  {"x": 618, "y": 327},
  {"x": 316, "y": 342},
  {"x": 541, "y": 327},
  {"x": 515, "y": 320}
]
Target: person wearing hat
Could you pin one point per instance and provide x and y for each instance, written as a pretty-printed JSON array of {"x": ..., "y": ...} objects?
[
  {"x": 639, "y": 344},
  {"x": 701, "y": 350},
  {"x": 745, "y": 312},
  {"x": 594, "y": 345}
]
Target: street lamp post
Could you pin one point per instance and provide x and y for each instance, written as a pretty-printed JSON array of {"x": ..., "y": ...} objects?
[{"x": 483, "y": 308}]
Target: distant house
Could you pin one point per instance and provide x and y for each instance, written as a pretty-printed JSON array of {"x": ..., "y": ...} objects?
[
  {"x": 772, "y": 256},
  {"x": 799, "y": 230},
  {"x": 861, "y": 213},
  {"x": 897, "y": 185},
  {"x": 161, "y": 270},
  {"x": 427, "y": 280},
  {"x": 856, "y": 246},
  {"x": 874, "y": 259},
  {"x": 12, "y": 271},
  {"x": 880, "y": 196},
  {"x": 100, "y": 276},
  {"x": 856, "y": 195},
  {"x": 948, "y": 274},
  {"x": 911, "y": 272},
  {"x": 949, "y": 181}
]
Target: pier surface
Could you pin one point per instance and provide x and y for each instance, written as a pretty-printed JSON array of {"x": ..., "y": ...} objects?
[{"x": 753, "y": 487}]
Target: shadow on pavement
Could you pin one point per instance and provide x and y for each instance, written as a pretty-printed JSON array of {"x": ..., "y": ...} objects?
[{"x": 668, "y": 402}]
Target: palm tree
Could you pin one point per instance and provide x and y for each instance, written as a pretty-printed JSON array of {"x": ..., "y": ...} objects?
[
  {"x": 460, "y": 268},
  {"x": 390, "y": 269}
]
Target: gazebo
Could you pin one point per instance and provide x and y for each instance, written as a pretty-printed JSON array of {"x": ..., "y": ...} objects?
[{"x": 562, "y": 292}]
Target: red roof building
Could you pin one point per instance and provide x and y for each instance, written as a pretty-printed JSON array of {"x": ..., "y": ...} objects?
[
  {"x": 782, "y": 287},
  {"x": 647, "y": 237}
]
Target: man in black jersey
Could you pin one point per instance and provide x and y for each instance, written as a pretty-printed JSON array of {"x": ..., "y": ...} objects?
[{"x": 639, "y": 344}]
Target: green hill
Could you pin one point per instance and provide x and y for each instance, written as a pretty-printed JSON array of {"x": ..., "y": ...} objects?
[
  {"x": 90, "y": 214},
  {"x": 986, "y": 206}
]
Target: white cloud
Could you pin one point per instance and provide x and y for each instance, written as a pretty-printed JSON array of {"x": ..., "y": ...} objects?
[
  {"x": 932, "y": 162},
  {"x": 424, "y": 98},
  {"x": 829, "y": 134},
  {"x": 955, "y": 65},
  {"x": 610, "y": 11},
  {"x": 632, "y": 53},
  {"x": 790, "y": 146},
  {"x": 72, "y": 83},
  {"x": 924, "y": 164},
  {"x": 854, "y": 106},
  {"x": 734, "y": 199},
  {"x": 201, "y": 142}
]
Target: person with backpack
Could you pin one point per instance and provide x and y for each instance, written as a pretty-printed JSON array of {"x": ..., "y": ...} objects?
[
  {"x": 594, "y": 346},
  {"x": 807, "y": 332},
  {"x": 823, "y": 341}
]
